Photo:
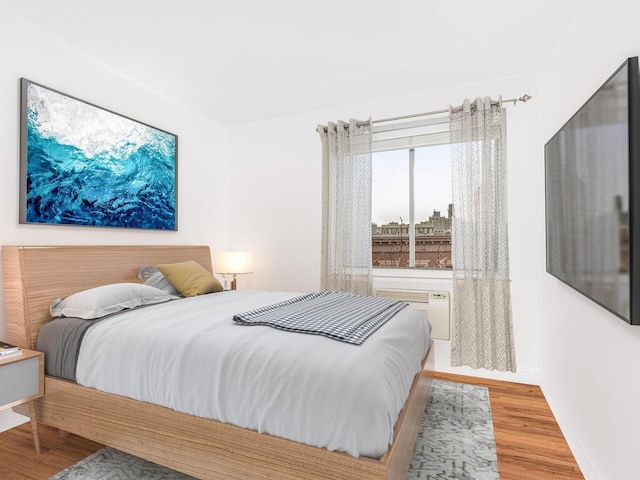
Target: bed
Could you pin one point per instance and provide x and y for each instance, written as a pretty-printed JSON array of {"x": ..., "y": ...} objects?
[{"x": 33, "y": 276}]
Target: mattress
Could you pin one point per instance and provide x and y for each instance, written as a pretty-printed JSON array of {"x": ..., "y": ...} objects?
[{"x": 189, "y": 355}]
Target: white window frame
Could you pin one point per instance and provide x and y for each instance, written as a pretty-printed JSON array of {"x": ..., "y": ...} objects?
[{"x": 409, "y": 135}]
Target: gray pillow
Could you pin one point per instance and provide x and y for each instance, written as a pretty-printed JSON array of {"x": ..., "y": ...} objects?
[
  {"x": 107, "y": 299},
  {"x": 146, "y": 272},
  {"x": 158, "y": 280},
  {"x": 153, "y": 277}
]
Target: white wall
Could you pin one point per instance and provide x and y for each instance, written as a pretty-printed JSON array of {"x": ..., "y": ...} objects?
[
  {"x": 589, "y": 358},
  {"x": 28, "y": 52},
  {"x": 275, "y": 177}
]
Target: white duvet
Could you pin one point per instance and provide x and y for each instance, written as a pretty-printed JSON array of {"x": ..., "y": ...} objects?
[{"x": 190, "y": 356}]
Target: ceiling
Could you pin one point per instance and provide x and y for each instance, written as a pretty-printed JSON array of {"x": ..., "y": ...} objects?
[{"x": 240, "y": 61}]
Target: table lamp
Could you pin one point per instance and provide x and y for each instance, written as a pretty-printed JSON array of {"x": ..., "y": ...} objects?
[{"x": 233, "y": 263}]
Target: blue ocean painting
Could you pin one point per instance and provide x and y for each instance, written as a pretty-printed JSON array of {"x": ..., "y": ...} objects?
[{"x": 89, "y": 166}]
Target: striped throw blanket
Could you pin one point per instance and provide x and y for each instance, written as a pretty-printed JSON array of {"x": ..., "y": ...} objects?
[{"x": 338, "y": 315}]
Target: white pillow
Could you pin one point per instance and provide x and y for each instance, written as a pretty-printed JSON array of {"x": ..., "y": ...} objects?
[{"x": 100, "y": 301}]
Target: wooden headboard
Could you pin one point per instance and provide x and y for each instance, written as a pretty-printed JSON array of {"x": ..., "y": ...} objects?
[{"x": 34, "y": 276}]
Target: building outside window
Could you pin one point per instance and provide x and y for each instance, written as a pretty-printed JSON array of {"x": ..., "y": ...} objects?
[{"x": 412, "y": 201}]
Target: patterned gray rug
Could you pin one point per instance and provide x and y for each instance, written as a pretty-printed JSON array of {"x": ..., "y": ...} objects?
[
  {"x": 456, "y": 436},
  {"x": 455, "y": 443}
]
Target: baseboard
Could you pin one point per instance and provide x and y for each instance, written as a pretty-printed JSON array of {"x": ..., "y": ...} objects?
[
  {"x": 527, "y": 375},
  {"x": 589, "y": 470},
  {"x": 10, "y": 419}
]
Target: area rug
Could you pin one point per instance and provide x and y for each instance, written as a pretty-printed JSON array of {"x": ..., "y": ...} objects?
[
  {"x": 456, "y": 436},
  {"x": 455, "y": 443}
]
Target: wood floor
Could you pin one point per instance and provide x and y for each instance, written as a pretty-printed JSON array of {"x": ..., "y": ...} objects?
[{"x": 528, "y": 441}]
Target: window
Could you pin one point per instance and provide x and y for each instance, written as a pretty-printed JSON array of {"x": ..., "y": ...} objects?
[{"x": 412, "y": 202}]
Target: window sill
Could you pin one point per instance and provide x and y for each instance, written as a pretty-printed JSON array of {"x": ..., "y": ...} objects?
[{"x": 412, "y": 273}]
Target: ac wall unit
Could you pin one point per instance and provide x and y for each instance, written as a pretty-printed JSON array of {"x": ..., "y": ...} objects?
[{"x": 434, "y": 304}]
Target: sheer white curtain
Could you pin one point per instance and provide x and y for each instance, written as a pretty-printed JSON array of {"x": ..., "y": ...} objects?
[
  {"x": 346, "y": 207},
  {"x": 482, "y": 331}
]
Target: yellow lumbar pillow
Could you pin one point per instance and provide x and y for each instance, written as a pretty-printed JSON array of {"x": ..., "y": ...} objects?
[{"x": 190, "y": 278}]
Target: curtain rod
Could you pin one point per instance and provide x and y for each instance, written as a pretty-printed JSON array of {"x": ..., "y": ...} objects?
[{"x": 524, "y": 98}]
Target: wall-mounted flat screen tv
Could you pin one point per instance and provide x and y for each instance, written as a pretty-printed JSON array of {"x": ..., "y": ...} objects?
[{"x": 592, "y": 188}]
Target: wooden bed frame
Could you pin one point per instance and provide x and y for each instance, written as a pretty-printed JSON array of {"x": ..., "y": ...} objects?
[{"x": 207, "y": 449}]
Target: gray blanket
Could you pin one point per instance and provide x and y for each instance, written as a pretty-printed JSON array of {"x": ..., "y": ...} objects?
[{"x": 60, "y": 340}]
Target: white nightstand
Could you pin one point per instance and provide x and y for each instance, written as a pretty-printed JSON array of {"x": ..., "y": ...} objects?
[{"x": 22, "y": 381}]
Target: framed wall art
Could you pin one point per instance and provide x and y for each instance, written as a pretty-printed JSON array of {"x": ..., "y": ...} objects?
[{"x": 81, "y": 164}]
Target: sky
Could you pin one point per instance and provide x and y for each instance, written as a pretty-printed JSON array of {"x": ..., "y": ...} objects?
[{"x": 390, "y": 198}]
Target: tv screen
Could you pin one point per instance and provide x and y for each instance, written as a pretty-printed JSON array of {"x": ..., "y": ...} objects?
[{"x": 589, "y": 183}]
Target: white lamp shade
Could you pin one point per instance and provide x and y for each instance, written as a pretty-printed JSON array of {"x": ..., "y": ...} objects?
[{"x": 234, "y": 262}]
